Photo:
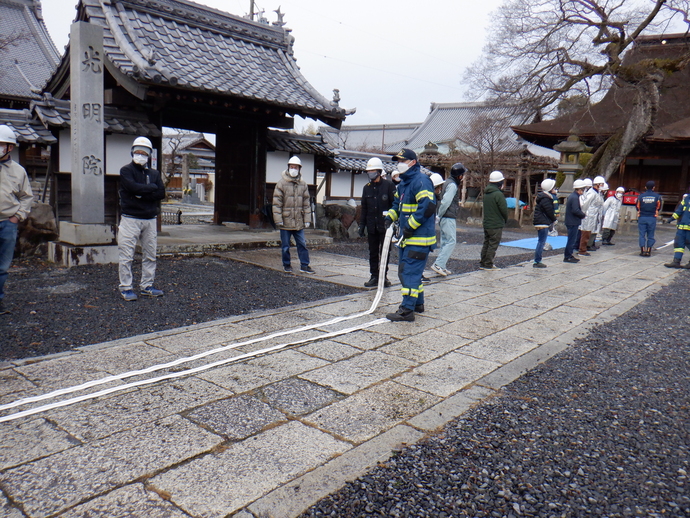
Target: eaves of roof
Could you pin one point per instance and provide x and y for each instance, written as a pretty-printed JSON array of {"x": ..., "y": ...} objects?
[
  {"x": 356, "y": 161},
  {"x": 27, "y": 129},
  {"x": 293, "y": 143}
]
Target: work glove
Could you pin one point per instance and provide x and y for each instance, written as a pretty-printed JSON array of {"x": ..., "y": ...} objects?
[
  {"x": 407, "y": 233},
  {"x": 388, "y": 222},
  {"x": 361, "y": 231},
  {"x": 438, "y": 220},
  {"x": 307, "y": 224}
]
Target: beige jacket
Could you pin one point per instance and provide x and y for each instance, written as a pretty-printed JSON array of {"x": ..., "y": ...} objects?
[
  {"x": 291, "y": 207},
  {"x": 15, "y": 191}
]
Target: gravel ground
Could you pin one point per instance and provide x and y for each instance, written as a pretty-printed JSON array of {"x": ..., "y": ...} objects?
[{"x": 603, "y": 429}]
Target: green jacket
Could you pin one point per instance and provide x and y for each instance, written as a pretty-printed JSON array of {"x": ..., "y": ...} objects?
[{"x": 495, "y": 208}]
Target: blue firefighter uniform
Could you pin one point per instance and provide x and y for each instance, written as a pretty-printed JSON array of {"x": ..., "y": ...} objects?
[
  {"x": 414, "y": 207},
  {"x": 682, "y": 239}
]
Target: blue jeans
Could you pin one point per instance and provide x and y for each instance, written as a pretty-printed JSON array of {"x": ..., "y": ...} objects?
[
  {"x": 449, "y": 230},
  {"x": 8, "y": 237},
  {"x": 542, "y": 234},
  {"x": 646, "y": 226},
  {"x": 573, "y": 231},
  {"x": 301, "y": 243},
  {"x": 411, "y": 263}
]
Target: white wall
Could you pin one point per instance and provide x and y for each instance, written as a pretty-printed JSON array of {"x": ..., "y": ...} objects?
[
  {"x": 360, "y": 181},
  {"x": 117, "y": 152},
  {"x": 276, "y": 163},
  {"x": 341, "y": 184}
]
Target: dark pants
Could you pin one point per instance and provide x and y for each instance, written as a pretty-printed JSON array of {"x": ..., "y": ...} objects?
[
  {"x": 300, "y": 242},
  {"x": 376, "y": 240},
  {"x": 411, "y": 263},
  {"x": 646, "y": 225},
  {"x": 573, "y": 232},
  {"x": 681, "y": 241},
  {"x": 584, "y": 240},
  {"x": 492, "y": 238},
  {"x": 8, "y": 238},
  {"x": 607, "y": 235}
]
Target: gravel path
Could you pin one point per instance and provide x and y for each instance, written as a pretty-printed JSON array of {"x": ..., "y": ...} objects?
[{"x": 603, "y": 429}]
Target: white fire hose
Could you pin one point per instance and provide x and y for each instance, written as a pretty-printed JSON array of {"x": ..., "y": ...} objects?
[{"x": 154, "y": 368}]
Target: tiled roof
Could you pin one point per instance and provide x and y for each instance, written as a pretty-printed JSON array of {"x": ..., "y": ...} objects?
[
  {"x": 293, "y": 143},
  {"x": 56, "y": 113},
  {"x": 28, "y": 65},
  {"x": 356, "y": 161},
  {"x": 369, "y": 136},
  {"x": 27, "y": 129},
  {"x": 193, "y": 47},
  {"x": 450, "y": 122}
]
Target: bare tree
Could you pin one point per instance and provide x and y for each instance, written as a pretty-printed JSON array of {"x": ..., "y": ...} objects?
[
  {"x": 11, "y": 40},
  {"x": 544, "y": 51}
]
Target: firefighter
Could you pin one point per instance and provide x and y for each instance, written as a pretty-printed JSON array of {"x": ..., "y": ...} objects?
[
  {"x": 682, "y": 239},
  {"x": 414, "y": 207}
]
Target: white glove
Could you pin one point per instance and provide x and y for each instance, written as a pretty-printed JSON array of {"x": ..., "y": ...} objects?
[
  {"x": 438, "y": 220},
  {"x": 307, "y": 224}
]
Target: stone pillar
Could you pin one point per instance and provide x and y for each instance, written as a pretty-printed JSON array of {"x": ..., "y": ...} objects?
[{"x": 86, "y": 88}]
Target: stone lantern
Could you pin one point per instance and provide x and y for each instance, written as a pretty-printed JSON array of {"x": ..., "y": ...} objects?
[{"x": 569, "y": 163}]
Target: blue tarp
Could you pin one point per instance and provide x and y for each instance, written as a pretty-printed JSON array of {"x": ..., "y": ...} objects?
[
  {"x": 510, "y": 202},
  {"x": 531, "y": 243}
]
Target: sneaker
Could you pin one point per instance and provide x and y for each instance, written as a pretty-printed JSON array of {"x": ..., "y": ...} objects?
[
  {"x": 287, "y": 269},
  {"x": 448, "y": 272},
  {"x": 425, "y": 280},
  {"x": 492, "y": 267},
  {"x": 372, "y": 282},
  {"x": 538, "y": 265},
  {"x": 129, "y": 295},
  {"x": 583, "y": 253},
  {"x": 306, "y": 269},
  {"x": 441, "y": 271},
  {"x": 150, "y": 291},
  {"x": 402, "y": 315},
  {"x": 571, "y": 259},
  {"x": 419, "y": 308}
]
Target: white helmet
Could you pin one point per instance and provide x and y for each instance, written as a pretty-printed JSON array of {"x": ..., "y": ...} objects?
[
  {"x": 599, "y": 180},
  {"x": 7, "y": 135},
  {"x": 142, "y": 143},
  {"x": 587, "y": 182},
  {"x": 496, "y": 176},
  {"x": 295, "y": 161},
  {"x": 578, "y": 184},
  {"x": 548, "y": 185},
  {"x": 436, "y": 179},
  {"x": 605, "y": 187},
  {"x": 620, "y": 189},
  {"x": 375, "y": 164}
]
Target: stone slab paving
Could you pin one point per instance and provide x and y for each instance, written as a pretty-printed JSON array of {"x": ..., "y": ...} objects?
[{"x": 268, "y": 436}]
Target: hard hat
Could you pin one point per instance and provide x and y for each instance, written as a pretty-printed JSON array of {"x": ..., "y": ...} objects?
[
  {"x": 548, "y": 184},
  {"x": 436, "y": 179},
  {"x": 578, "y": 184},
  {"x": 620, "y": 189},
  {"x": 457, "y": 170},
  {"x": 599, "y": 179},
  {"x": 605, "y": 187},
  {"x": 143, "y": 143},
  {"x": 7, "y": 135},
  {"x": 295, "y": 161},
  {"x": 496, "y": 176},
  {"x": 373, "y": 164},
  {"x": 587, "y": 182}
]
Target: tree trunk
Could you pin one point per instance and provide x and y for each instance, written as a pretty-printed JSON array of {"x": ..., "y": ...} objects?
[{"x": 611, "y": 153}]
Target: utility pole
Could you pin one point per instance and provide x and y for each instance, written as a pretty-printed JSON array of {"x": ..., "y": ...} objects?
[{"x": 251, "y": 10}]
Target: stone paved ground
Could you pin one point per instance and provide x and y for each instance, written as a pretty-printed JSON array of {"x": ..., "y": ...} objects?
[{"x": 270, "y": 435}]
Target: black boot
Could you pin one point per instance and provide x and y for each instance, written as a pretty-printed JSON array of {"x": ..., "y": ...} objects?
[
  {"x": 419, "y": 308},
  {"x": 372, "y": 282},
  {"x": 673, "y": 264},
  {"x": 387, "y": 283},
  {"x": 642, "y": 251},
  {"x": 402, "y": 315},
  {"x": 648, "y": 251}
]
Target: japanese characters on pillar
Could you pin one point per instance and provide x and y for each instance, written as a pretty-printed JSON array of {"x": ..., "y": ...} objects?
[{"x": 86, "y": 87}]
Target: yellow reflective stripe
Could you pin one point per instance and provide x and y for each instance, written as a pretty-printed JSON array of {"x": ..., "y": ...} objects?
[
  {"x": 681, "y": 250},
  {"x": 409, "y": 207},
  {"x": 410, "y": 292},
  {"x": 414, "y": 224},
  {"x": 392, "y": 215},
  {"x": 683, "y": 227},
  {"x": 425, "y": 194},
  {"x": 675, "y": 216},
  {"x": 420, "y": 241}
]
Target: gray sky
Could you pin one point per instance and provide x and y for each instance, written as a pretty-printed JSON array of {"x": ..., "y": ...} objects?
[{"x": 390, "y": 58}]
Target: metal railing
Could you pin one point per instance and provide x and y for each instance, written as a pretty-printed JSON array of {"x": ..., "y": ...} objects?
[{"x": 171, "y": 218}]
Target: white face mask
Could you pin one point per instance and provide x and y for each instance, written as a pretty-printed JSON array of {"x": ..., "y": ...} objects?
[
  {"x": 3, "y": 150},
  {"x": 293, "y": 172},
  {"x": 140, "y": 159},
  {"x": 403, "y": 167},
  {"x": 619, "y": 195}
]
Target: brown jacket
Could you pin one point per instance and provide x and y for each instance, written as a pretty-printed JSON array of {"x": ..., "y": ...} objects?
[{"x": 291, "y": 207}]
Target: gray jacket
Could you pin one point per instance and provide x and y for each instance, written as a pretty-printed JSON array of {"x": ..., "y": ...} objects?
[{"x": 291, "y": 207}]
